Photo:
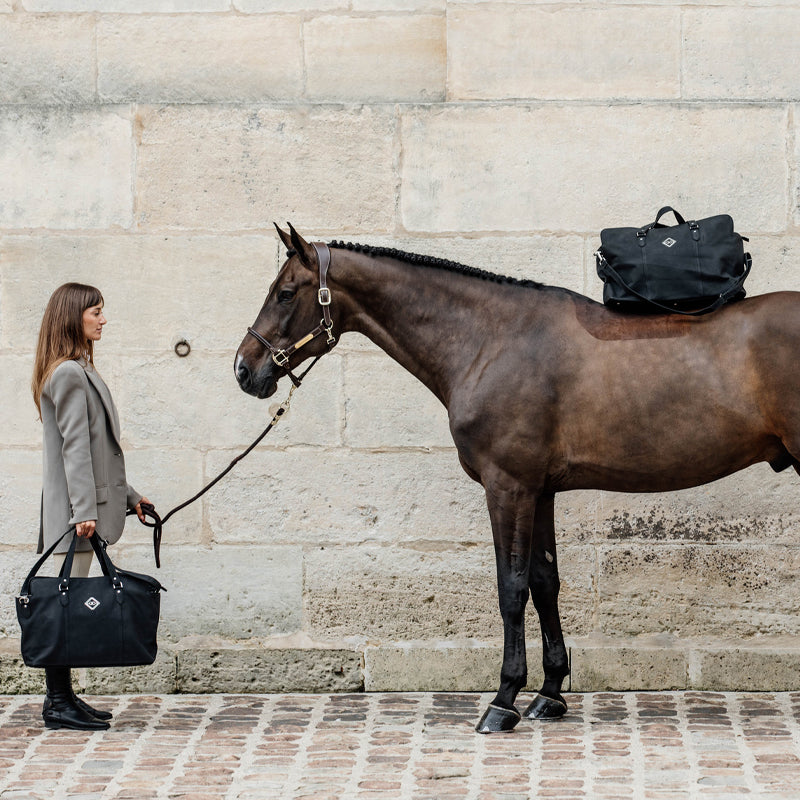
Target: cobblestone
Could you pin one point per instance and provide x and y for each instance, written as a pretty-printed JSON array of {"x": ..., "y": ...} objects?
[{"x": 659, "y": 745}]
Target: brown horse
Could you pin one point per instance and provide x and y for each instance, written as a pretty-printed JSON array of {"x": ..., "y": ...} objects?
[{"x": 546, "y": 391}]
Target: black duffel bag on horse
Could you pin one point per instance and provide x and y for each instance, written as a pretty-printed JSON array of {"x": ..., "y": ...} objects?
[
  {"x": 690, "y": 268},
  {"x": 105, "y": 621}
]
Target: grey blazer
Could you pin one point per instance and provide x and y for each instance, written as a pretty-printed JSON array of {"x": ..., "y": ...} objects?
[{"x": 84, "y": 469}]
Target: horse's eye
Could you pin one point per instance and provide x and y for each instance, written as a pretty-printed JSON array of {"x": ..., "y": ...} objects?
[{"x": 285, "y": 296}]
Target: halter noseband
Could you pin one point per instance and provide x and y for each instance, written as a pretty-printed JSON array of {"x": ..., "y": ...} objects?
[{"x": 281, "y": 357}]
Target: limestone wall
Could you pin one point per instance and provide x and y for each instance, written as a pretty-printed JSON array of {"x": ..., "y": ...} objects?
[{"x": 147, "y": 146}]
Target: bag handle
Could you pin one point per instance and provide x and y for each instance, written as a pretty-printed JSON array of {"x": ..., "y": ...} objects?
[
  {"x": 642, "y": 233},
  {"x": 105, "y": 562},
  {"x": 666, "y": 210},
  {"x": 736, "y": 284}
]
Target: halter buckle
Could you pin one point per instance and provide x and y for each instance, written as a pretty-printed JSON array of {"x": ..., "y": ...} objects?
[
  {"x": 324, "y": 296},
  {"x": 280, "y": 358}
]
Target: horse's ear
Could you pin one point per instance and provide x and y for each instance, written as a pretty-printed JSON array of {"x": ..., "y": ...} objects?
[
  {"x": 285, "y": 238},
  {"x": 303, "y": 249}
]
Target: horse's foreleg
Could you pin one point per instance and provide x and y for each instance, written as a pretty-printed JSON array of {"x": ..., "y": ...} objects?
[
  {"x": 512, "y": 513},
  {"x": 544, "y": 584}
]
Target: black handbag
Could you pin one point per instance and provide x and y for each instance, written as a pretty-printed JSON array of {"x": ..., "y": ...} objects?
[
  {"x": 105, "y": 621},
  {"x": 690, "y": 268}
]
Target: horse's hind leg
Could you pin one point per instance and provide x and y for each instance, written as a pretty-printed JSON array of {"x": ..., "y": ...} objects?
[{"x": 544, "y": 585}]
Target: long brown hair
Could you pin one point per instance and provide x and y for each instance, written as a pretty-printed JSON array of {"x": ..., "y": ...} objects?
[{"x": 61, "y": 336}]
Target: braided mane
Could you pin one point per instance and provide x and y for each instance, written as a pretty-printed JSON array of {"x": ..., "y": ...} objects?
[{"x": 432, "y": 261}]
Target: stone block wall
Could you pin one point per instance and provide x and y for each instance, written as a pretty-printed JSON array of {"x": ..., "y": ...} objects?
[{"x": 147, "y": 146}]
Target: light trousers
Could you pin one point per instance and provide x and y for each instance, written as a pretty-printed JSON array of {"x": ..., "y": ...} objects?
[{"x": 80, "y": 564}]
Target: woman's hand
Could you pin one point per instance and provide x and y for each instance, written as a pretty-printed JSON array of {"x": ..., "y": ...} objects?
[
  {"x": 86, "y": 529},
  {"x": 139, "y": 512}
]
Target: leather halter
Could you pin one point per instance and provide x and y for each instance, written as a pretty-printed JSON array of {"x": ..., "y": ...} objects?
[{"x": 281, "y": 357}]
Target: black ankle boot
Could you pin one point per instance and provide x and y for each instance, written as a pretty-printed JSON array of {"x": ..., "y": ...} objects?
[
  {"x": 83, "y": 705},
  {"x": 95, "y": 712},
  {"x": 60, "y": 709}
]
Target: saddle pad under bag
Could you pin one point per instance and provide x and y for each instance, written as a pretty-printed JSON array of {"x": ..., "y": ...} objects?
[{"x": 691, "y": 268}]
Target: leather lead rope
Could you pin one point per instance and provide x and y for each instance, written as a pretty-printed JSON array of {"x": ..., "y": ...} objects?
[
  {"x": 281, "y": 358},
  {"x": 158, "y": 522}
]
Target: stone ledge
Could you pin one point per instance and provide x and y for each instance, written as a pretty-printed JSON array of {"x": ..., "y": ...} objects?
[{"x": 297, "y": 664}]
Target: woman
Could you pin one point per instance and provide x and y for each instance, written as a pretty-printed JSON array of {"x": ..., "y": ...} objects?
[{"x": 84, "y": 484}]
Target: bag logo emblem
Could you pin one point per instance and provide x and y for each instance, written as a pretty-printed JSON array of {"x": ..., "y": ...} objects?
[
  {"x": 668, "y": 242},
  {"x": 92, "y": 603}
]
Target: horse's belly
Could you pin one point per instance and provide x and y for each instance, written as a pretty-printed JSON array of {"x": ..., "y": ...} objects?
[{"x": 654, "y": 465}]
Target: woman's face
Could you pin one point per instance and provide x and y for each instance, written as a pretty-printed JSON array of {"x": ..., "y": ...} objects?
[{"x": 93, "y": 321}]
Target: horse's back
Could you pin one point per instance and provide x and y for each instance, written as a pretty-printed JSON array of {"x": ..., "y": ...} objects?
[{"x": 653, "y": 403}]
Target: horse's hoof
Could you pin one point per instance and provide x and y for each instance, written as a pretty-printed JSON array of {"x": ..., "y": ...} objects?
[
  {"x": 498, "y": 720},
  {"x": 546, "y": 708}
]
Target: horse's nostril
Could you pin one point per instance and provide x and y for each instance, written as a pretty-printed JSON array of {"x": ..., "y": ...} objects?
[{"x": 242, "y": 373}]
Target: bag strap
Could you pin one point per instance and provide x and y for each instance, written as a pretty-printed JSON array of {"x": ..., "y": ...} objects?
[
  {"x": 26, "y": 585},
  {"x": 666, "y": 210},
  {"x": 736, "y": 284},
  {"x": 99, "y": 546}
]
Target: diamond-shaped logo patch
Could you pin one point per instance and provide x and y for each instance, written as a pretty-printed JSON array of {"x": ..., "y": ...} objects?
[
  {"x": 668, "y": 242},
  {"x": 92, "y": 603}
]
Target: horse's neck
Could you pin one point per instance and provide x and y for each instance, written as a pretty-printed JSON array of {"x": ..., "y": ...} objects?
[{"x": 430, "y": 321}]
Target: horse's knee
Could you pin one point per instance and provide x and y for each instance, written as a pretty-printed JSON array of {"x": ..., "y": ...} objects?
[{"x": 513, "y": 597}]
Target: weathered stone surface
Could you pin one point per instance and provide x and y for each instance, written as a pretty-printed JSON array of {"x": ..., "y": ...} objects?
[
  {"x": 157, "y": 289},
  {"x": 65, "y": 167},
  {"x": 612, "y": 666},
  {"x": 274, "y": 6},
  {"x": 749, "y": 668},
  {"x": 795, "y": 188},
  {"x": 774, "y": 263},
  {"x": 21, "y": 426},
  {"x": 157, "y": 678},
  {"x": 695, "y": 590},
  {"x": 226, "y": 668},
  {"x": 518, "y": 150},
  {"x": 232, "y": 592},
  {"x": 425, "y": 593},
  {"x": 451, "y": 667},
  {"x": 498, "y": 51},
  {"x": 415, "y": 594},
  {"x": 47, "y": 60},
  {"x": 15, "y": 677},
  {"x": 168, "y": 477},
  {"x": 128, "y": 6},
  {"x": 335, "y": 497},
  {"x": 183, "y": 402},
  {"x": 199, "y": 58},
  {"x": 399, "y": 5},
  {"x": 314, "y": 418},
  {"x": 386, "y": 58},
  {"x": 224, "y": 167},
  {"x": 20, "y": 487},
  {"x": 741, "y": 53},
  {"x": 756, "y": 505},
  {"x": 387, "y": 407}
]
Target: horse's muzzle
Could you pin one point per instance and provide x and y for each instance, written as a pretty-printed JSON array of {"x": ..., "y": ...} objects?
[{"x": 262, "y": 384}]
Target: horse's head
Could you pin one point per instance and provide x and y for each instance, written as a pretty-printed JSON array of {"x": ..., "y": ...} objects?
[{"x": 295, "y": 316}]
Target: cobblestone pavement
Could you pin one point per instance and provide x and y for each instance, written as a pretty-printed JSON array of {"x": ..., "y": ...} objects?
[{"x": 397, "y": 746}]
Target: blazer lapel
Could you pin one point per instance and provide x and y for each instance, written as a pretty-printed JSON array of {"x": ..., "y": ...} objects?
[{"x": 108, "y": 402}]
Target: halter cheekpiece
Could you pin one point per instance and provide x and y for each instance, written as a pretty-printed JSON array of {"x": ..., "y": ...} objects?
[{"x": 281, "y": 357}]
